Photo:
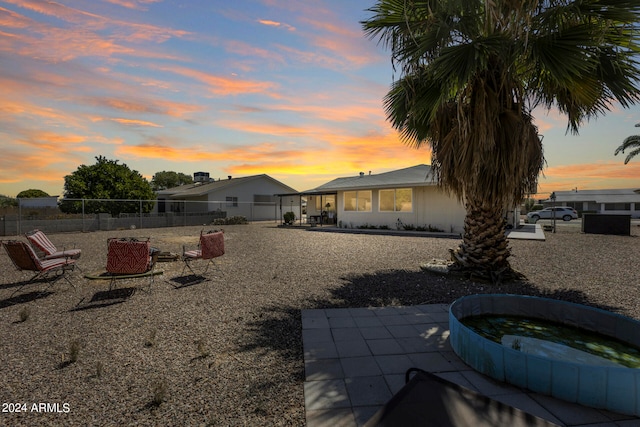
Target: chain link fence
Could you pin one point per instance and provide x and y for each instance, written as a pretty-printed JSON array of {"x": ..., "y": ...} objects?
[{"x": 126, "y": 214}]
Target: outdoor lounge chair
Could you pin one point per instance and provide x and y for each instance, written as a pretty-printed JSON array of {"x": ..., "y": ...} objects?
[
  {"x": 24, "y": 258},
  {"x": 211, "y": 246},
  {"x": 130, "y": 257},
  {"x": 40, "y": 241}
]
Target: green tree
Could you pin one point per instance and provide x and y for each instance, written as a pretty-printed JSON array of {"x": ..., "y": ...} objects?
[
  {"x": 630, "y": 143},
  {"x": 6, "y": 201},
  {"x": 169, "y": 179},
  {"x": 105, "y": 181},
  {"x": 31, "y": 193},
  {"x": 472, "y": 72}
]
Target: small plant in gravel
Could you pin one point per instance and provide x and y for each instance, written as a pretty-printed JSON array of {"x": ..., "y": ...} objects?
[
  {"x": 159, "y": 393},
  {"x": 202, "y": 349},
  {"x": 99, "y": 369},
  {"x": 24, "y": 314},
  {"x": 151, "y": 339},
  {"x": 74, "y": 350}
]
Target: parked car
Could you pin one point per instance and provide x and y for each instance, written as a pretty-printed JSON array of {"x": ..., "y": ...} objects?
[{"x": 561, "y": 212}]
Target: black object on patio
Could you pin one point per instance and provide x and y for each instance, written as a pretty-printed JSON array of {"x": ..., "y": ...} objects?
[{"x": 430, "y": 401}]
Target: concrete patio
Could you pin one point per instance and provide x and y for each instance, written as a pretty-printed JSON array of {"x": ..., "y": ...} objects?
[{"x": 356, "y": 358}]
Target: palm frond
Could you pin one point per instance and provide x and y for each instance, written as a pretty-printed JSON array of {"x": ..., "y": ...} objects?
[{"x": 632, "y": 142}]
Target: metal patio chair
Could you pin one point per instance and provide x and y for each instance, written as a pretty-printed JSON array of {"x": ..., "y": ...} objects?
[
  {"x": 24, "y": 258},
  {"x": 130, "y": 257},
  {"x": 211, "y": 246},
  {"x": 40, "y": 241}
]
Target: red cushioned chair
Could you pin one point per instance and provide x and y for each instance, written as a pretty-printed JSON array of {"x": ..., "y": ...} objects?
[
  {"x": 129, "y": 257},
  {"x": 40, "y": 241},
  {"x": 211, "y": 246},
  {"x": 24, "y": 258}
]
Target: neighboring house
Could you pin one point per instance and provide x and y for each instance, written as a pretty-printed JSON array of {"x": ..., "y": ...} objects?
[
  {"x": 404, "y": 197},
  {"x": 38, "y": 202},
  {"x": 610, "y": 201},
  {"x": 251, "y": 197}
]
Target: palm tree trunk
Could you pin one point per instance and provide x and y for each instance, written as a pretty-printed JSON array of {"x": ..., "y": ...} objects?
[{"x": 484, "y": 252}]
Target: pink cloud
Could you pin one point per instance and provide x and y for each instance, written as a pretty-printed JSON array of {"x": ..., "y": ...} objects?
[
  {"x": 83, "y": 37},
  {"x": 133, "y": 4},
  {"x": 245, "y": 49},
  {"x": 222, "y": 86},
  {"x": 276, "y": 24},
  {"x": 132, "y": 122}
]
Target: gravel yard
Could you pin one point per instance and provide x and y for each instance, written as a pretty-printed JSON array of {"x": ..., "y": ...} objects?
[{"x": 229, "y": 351}]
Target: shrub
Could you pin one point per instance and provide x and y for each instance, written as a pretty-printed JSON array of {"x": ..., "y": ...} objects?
[
  {"x": 289, "y": 217},
  {"x": 233, "y": 220},
  {"x": 429, "y": 228}
]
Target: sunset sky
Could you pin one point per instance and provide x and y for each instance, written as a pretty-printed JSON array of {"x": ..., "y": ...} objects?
[{"x": 292, "y": 89}]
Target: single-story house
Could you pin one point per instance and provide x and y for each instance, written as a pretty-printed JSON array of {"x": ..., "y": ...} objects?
[
  {"x": 608, "y": 201},
  {"x": 397, "y": 199},
  {"x": 250, "y": 196},
  {"x": 38, "y": 202}
]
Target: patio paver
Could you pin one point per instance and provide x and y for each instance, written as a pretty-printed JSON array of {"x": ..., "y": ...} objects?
[{"x": 355, "y": 360}]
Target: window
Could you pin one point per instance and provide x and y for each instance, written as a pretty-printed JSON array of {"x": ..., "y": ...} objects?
[
  {"x": 262, "y": 200},
  {"x": 364, "y": 201},
  {"x": 617, "y": 206},
  {"x": 359, "y": 201},
  {"x": 397, "y": 200},
  {"x": 322, "y": 201},
  {"x": 232, "y": 201}
]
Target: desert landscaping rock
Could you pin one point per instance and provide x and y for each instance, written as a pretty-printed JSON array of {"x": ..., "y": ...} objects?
[{"x": 228, "y": 351}]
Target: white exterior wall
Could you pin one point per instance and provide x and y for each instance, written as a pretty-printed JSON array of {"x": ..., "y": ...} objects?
[
  {"x": 38, "y": 202},
  {"x": 596, "y": 200},
  {"x": 244, "y": 191},
  {"x": 439, "y": 209},
  {"x": 246, "y": 206},
  {"x": 289, "y": 204},
  {"x": 634, "y": 209},
  {"x": 430, "y": 207}
]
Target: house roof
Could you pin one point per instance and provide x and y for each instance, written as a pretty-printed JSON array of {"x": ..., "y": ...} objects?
[
  {"x": 202, "y": 188},
  {"x": 620, "y": 195},
  {"x": 414, "y": 176}
]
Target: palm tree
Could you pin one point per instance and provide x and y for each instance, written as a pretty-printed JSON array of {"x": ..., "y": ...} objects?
[
  {"x": 630, "y": 142},
  {"x": 472, "y": 72}
]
